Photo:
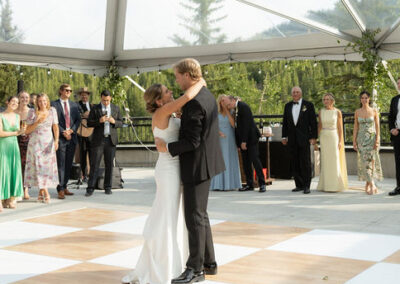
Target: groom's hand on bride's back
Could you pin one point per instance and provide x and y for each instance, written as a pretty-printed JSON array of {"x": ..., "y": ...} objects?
[{"x": 160, "y": 144}]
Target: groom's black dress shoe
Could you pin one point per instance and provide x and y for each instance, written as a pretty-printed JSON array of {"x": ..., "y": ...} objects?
[
  {"x": 210, "y": 269},
  {"x": 262, "y": 188},
  {"x": 189, "y": 276},
  {"x": 246, "y": 188},
  {"x": 307, "y": 190},
  {"x": 297, "y": 189},
  {"x": 395, "y": 191}
]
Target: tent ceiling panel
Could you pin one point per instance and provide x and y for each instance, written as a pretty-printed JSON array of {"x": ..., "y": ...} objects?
[
  {"x": 377, "y": 14},
  {"x": 71, "y": 24}
]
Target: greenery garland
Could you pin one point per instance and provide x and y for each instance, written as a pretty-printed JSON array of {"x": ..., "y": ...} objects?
[
  {"x": 372, "y": 68},
  {"x": 113, "y": 82}
]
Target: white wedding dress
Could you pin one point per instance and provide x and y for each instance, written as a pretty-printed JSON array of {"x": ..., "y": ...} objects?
[{"x": 165, "y": 249}]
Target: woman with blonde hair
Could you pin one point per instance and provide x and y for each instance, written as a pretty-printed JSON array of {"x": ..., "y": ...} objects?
[
  {"x": 333, "y": 175},
  {"x": 23, "y": 140},
  {"x": 230, "y": 178},
  {"x": 41, "y": 161},
  {"x": 366, "y": 140}
]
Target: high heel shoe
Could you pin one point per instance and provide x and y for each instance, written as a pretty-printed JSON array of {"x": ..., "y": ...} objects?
[
  {"x": 40, "y": 199},
  {"x": 47, "y": 200}
]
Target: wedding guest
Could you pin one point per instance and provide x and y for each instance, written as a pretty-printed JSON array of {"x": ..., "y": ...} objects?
[
  {"x": 69, "y": 120},
  {"x": 105, "y": 118},
  {"x": 333, "y": 175},
  {"x": 23, "y": 140},
  {"x": 84, "y": 141},
  {"x": 299, "y": 130},
  {"x": 32, "y": 100},
  {"x": 394, "y": 126},
  {"x": 230, "y": 178},
  {"x": 11, "y": 185},
  {"x": 366, "y": 137},
  {"x": 247, "y": 135},
  {"x": 41, "y": 161}
]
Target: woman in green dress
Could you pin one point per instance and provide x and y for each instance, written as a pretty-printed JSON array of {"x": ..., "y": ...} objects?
[
  {"x": 366, "y": 137},
  {"x": 10, "y": 161}
]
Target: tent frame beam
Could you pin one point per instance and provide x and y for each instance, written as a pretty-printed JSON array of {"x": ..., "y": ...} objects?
[
  {"x": 356, "y": 17},
  {"x": 388, "y": 32}
]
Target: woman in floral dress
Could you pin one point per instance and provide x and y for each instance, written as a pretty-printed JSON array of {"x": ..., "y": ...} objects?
[
  {"x": 41, "y": 161},
  {"x": 366, "y": 142}
]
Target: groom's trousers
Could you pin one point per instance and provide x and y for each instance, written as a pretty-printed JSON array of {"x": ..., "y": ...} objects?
[{"x": 201, "y": 245}]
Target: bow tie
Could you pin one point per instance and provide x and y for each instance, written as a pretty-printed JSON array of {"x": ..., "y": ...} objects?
[{"x": 295, "y": 103}]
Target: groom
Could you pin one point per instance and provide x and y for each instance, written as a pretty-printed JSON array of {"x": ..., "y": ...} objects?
[{"x": 200, "y": 158}]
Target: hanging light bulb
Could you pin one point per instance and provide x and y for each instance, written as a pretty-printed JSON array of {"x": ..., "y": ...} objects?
[
  {"x": 159, "y": 70},
  {"x": 206, "y": 72},
  {"x": 286, "y": 65},
  {"x": 315, "y": 63},
  {"x": 259, "y": 71},
  {"x": 345, "y": 60},
  {"x": 70, "y": 72},
  {"x": 70, "y": 75},
  {"x": 21, "y": 73},
  {"x": 48, "y": 72},
  {"x": 230, "y": 66},
  {"x": 138, "y": 73}
]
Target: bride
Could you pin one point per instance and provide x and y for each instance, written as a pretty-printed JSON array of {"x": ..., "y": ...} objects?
[{"x": 165, "y": 249}]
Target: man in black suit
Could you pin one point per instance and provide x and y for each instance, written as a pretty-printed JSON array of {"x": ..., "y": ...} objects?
[
  {"x": 69, "y": 120},
  {"x": 200, "y": 159},
  {"x": 247, "y": 136},
  {"x": 298, "y": 131},
  {"x": 105, "y": 118},
  {"x": 394, "y": 126},
  {"x": 84, "y": 142}
]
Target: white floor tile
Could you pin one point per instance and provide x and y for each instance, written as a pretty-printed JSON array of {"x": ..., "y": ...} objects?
[
  {"x": 126, "y": 258},
  {"x": 382, "y": 273},
  {"x": 227, "y": 253},
  {"x": 16, "y": 266},
  {"x": 213, "y": 282},
  {"x": 129, "y": 226},
  {"x": 18, "y": 232},
  {"x": 214, "y": 222},
  {"x": 361, "y": 246}
]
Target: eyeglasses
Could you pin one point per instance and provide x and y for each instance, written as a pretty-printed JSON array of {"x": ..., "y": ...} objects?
[{"x": 68, "y": 90}]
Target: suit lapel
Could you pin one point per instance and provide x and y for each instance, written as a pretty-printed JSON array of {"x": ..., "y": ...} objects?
[
  {"x": 290, "y": 111},
  {"x": 300, "y": 112},
  {"x": 61, "y": 113}
]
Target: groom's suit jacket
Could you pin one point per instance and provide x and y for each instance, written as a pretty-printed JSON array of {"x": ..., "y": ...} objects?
[
  {"x": 306, "y": 127},
  {"x": 198, "y": 146}
]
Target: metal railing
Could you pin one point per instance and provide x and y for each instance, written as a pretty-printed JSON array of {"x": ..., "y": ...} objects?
[{"x": 142, "y": 126}]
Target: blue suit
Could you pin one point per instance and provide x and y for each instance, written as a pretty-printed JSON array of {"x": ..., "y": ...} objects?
[{"x": 66, "y": 148}]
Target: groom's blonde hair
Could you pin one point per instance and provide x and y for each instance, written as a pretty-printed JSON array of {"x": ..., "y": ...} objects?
[{"x": 190, "y": 66}]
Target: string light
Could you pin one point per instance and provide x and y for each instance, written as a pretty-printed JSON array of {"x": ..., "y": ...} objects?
[
  {"x": 259, "y": 71},
  {"x": 138, "y": 72},
  {"x": 345, "y": 60},
  {"x": 206, "y": 72},
  {"x": 70, "y": 72},
  {"x": 48, "y": 72}
]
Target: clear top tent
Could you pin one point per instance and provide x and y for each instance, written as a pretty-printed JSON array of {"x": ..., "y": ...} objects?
[{"x": 142, "y": 35}]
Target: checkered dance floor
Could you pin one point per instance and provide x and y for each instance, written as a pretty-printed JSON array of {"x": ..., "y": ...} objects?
[{"x": 100, "y": 246}]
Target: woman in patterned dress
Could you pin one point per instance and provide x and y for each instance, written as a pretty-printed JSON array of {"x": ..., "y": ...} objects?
[
  {"x": 41, "y": 161},
  {"x": 366, "y": 142},
  {"x": 23, "y": 140}
]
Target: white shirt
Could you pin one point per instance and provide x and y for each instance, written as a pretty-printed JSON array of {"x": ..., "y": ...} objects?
[
  {"x": 296, "y": 111},
  {"x": 87, "y": 106},
  {"x": 397, "y": 123},
  {"x": 106, "y": 123}
]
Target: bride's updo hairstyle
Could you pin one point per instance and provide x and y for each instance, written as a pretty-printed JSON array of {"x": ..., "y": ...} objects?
[{"x": 151, "y": 95}]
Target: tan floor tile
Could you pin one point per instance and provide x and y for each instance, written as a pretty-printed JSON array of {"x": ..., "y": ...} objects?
[
  {"x": 253, "y": 235},
  {"x": 287, "y": 268},
  {"x": 81, "y": 245},
  {"x": 84, "y": 273},
  {"x": 394, "y": 258},
  {"x": 84, "y": 218}
]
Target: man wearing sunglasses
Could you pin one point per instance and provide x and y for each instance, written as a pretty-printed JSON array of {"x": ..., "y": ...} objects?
[{"x": 69, "y": 120}]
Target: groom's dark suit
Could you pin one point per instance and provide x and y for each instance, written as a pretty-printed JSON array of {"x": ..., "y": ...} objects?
[
  {"x": 200, "y": 158},
  {"x": 298, "y": 136}
]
